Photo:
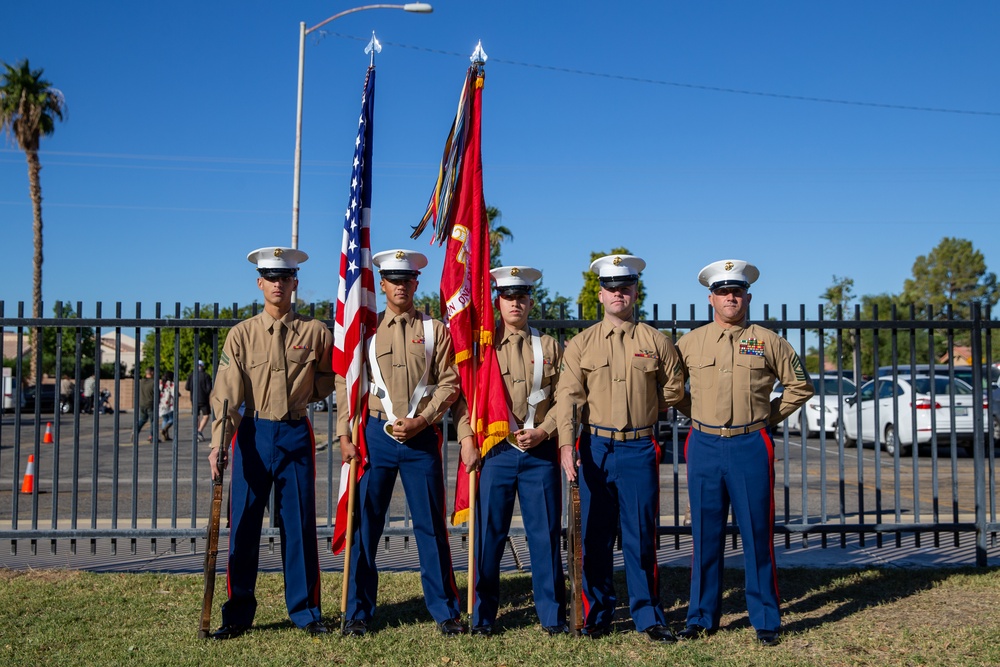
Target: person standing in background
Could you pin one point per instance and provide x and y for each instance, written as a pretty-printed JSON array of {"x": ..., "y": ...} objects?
[
  {"x": 200, "y": 403},
  {"x": 166, "y": 406}
]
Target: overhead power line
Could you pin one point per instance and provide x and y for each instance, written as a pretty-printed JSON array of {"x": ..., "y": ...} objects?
[{"x": 678, "y": 84}]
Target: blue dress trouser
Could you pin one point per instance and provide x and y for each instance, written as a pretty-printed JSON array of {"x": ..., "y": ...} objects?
[
  {"x": 620, "y": 481},
  {"x": 282, "y": 455},
  {"x": 533, "y": 476},
  {"x": 418, "y": 462},
  {"x": 737, "y": 471}
]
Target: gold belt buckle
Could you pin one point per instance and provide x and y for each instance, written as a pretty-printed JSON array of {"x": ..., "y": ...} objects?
[{"x": 725, "y": 432}]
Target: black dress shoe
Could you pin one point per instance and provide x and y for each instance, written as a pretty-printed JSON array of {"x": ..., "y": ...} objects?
[
  {"x": 480, "y": 631},
  {"x": 452, "y": 627},
  {"x": 768, "y": 637},
  {"x": 693, "y": 631},
  {"x": 230, "y": 631},
  {"x": 659, "y": 633},
  {"x": 317, "y": 628},
  {"x": 354, "y": 629},
  {"x": 596, "y": 632},
  {"x": 555, "y": 630}
]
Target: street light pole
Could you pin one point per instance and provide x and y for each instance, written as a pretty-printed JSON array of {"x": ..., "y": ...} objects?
[{"x": 416, "y": 7}]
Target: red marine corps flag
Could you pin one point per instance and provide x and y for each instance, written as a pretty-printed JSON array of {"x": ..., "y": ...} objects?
[
  {"x": 356, "y": 318},
  {"x": 458, "y": 210}
]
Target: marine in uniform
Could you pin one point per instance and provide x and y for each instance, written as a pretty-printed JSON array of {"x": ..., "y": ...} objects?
[
  {"x": 273, "y": 364},
  {"x": 414, "y": 381},
  {"x": 526, "y": 464},
  {"x": 732, "y": 365},
  {"x": 620, "y": 375}
]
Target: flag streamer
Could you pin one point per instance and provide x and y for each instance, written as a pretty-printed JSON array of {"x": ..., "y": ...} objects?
[{"x": 458, "y": 211}]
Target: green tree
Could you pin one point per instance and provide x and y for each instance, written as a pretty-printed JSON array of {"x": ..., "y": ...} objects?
[
  {"x": 49, "y": 345},
  {"x": 29, "y": 107},
  {"x": 911, "y": 345},
  {"x": 428, "y": 303},
  {"x": 588, "y": 297},
  {"x": 952, "y": 274},
  {"x": 179, "y": 340},
  {"x": 548, "y": 307},
  {"x": 838, "y": 297},
  {"x": 497, "y": 234},
  {"x": 323, "y": 309}
]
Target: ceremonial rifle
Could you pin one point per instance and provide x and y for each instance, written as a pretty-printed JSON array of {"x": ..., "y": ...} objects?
[
  {"x": 212, "y": 547},
  {"x": 574, "y": 547}
]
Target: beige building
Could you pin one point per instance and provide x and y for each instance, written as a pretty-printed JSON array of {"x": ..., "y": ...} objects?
[
  {"x": 10, "y": 350},
  {"x": 126, "y": 350}
]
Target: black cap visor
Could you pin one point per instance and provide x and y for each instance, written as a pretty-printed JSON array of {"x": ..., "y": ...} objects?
[
  {"x": 273, "y": 274},
  {"x": 514, "y": 290},
  {"x": 394, "y": 274}
]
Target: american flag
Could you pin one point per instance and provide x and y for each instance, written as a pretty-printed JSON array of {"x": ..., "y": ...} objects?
[{"x": 356, "y": 317}]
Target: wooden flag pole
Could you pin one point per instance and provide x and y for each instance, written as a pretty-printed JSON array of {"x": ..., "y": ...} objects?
[
  {"x": 352, "y": 494},
  {"x": 472, "y": 540},
  {"x": 473, "y": 480}
]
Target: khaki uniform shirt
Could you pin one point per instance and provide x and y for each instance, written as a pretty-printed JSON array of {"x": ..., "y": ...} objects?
[
  {"x": 245, "y": 368},
  {"x": 509, "y": 357},
  {"x": 758, "y": 357},
  {"x": 654, "y": 377},
  {"x": 442, "y": 372}
]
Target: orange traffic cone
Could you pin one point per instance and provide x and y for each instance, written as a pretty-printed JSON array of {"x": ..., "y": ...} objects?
[
  {"x": 48, "y": 434},
  {"x": 28, "y": 485}
]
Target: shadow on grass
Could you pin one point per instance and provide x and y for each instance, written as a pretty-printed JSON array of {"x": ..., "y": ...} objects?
[
  {"x": 517, "y": 608},
  {"x": 824, "y": 596},
  {"x": 812, "y": 596}
]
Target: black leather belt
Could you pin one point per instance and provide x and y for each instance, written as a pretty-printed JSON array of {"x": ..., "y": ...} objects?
[
  {"x": 728, "y": 431},
  {"x": 622, "y": 436}
]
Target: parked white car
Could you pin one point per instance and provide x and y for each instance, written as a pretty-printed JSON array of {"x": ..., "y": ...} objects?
[
  {"x": 12, "y": 393},
  {"x": 328, "y": 404},
  {"x": 820, "y": 408},
  {"x": 911, "y": 396}
]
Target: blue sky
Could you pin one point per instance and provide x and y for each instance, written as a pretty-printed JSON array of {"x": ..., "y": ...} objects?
[{"x": 605, "y": 124}]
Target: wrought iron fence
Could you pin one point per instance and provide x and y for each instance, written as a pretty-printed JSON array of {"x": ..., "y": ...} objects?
[{"x": 95, "y": 478}]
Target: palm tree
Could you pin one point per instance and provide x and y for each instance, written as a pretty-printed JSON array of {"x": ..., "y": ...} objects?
[
  {"x": 498, "y": 234},
  {"x": 29, "y": 107}
]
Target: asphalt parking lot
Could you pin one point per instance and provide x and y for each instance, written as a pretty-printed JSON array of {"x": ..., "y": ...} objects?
[{"x": 95, "y": 476}]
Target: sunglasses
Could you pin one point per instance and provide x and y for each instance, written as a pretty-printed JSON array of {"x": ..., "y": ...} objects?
[{"x": 723, "y": 291}]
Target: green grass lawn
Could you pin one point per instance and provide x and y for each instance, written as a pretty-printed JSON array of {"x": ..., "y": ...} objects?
[{"x": 882, "y": 617}]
